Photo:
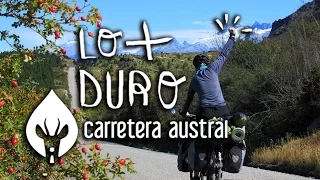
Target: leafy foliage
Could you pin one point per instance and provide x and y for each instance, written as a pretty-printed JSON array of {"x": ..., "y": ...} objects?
[
  {"x": 26, "y": 76},
  {"x": 47, "y": 18}
]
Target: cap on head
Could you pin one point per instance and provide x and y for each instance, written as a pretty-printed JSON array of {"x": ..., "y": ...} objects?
[{"x": 200, "y": 59}]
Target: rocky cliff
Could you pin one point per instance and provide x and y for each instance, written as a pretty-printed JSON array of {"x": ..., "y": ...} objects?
[{"x": 308, "y": 12}]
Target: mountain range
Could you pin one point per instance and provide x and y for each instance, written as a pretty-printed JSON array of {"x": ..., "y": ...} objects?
[{"x": 210, "y": 43}]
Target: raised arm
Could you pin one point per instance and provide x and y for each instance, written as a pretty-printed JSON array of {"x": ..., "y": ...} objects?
[
  {"x": 219, "y": 62},
  {"x": 188, "y": 101}
]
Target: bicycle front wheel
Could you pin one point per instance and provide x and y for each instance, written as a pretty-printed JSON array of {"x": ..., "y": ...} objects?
[
  {"x": 218, "y": 174},
  {"x": 208, "y": 176}
]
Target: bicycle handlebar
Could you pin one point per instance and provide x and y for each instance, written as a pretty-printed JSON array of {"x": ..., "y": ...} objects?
[
  {"x": 188, "y": 114},
  {"x": 191, "y": 115}
]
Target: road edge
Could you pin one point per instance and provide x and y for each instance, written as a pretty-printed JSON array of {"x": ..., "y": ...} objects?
[{"x": 286, "y": 169}]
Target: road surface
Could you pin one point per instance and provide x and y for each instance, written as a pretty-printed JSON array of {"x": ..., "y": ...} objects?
[{"x": 163, "y": 166}]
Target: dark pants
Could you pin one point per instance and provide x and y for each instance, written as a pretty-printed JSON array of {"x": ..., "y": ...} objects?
[{"x": 207, "y": 113}]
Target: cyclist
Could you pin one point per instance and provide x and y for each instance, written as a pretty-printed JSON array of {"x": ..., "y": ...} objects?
[{"x": 206, "y": 84}]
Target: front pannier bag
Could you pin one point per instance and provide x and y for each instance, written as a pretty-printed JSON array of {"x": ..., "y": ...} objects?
[{"x": 183, "y": 145}]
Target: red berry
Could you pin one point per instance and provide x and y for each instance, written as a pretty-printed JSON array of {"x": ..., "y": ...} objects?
[
  {"x": 98, "y": 24},
  {"x": 85, "y": 176},
  {"x": 73, "y": 19},
  {"x": 70, "y": 9},
  {"x": 83, "y": 18},
  {"x": 122, "y": 161},
  {"x": 105, "y": 163},
  {"x": 52, "y": 9},
  {"x": 11, "y": 170},
  {"x": 63, "y": 51},
  {"x": 90, "y": 34},
  {"x": 84, "y": 150},
  {"x": 78, "y": 8},
  {"x": 97, "y": 146},
  {"x": 14, "y": 141},
  {"x": 76, "y": 111},
  {"x": 99, "y": 16},
  {"x": 60, "y": 161},
  {"x": 57, "y": 34},
  {"x": 23, "y": 159},
  {"x": 56, "y": 4},
  {"x": 40, "y": 1},
  {"x": 2, "y": 103},
  {"x": 14, "y": 83}
]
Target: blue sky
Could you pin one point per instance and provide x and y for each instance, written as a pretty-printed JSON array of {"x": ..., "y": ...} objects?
[{"x": 182, "y": 19}]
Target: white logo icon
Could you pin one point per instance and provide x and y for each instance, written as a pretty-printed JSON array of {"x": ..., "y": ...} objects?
[
  {"x": 52, "y": 116},
  {"x": 236, "y": 19}
]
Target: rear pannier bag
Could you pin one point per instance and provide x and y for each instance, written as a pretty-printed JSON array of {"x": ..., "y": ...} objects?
[
  {"x": 233, "y": 157},
  {"x": 199, "y": 155},
  {"x": 183, "y": 166}
]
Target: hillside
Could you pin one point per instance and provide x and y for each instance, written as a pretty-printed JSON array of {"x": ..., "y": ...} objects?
[{"x": 308, "y": 12}]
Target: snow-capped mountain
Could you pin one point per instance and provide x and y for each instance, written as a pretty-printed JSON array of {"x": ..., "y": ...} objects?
[
  {"x": 212, "y": 42},
  {"x": 259, "y": 34},
  {"x": 73, "y": 49},
  {"x": 127, "y": 50},
  {"x": 185, "y": 44},
  {"x": 261, "y": 26}
]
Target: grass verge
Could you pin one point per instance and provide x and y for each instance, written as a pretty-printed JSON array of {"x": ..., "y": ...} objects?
[{"x": 295, "y": 155}]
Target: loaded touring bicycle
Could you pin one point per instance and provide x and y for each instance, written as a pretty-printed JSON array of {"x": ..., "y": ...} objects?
[{"x": 211, "y": 156}]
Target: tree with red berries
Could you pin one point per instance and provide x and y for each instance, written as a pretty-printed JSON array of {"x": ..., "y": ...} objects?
[{"x": 48, "y": 18}]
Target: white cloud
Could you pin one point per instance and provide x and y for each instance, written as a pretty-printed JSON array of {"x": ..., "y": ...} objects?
[{"x": 202, "y": 23}]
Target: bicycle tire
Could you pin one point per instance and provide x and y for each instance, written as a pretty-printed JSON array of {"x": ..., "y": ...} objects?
[
  {"x": 210, "y": 175},
  {"x": 218, "y": 174}
]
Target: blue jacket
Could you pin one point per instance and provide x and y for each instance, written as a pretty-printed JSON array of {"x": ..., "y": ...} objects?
[{"x": 206, "y": 82}]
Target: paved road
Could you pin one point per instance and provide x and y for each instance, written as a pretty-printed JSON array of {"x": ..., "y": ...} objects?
[{"x": 162, "y": 166}]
